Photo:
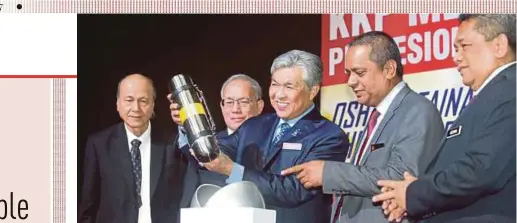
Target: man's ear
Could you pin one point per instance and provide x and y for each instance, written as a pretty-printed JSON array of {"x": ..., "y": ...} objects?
[
  {"x": 390, "y": 69},
  {"x": 260, "y": 105},
  {"x": 314, "y": 92},
  {"x": 501, "y": 46}
]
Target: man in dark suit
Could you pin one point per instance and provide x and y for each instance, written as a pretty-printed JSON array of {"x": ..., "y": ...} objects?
[
  {"x": 241, "y": 99},
  {"x": 129, "y": 175},
  {"x": 472, "y": 176},
  {"x": 296, "y": 133}
]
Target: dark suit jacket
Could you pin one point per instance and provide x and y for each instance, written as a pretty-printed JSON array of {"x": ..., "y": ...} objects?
[
  {"x": 319, "y": 140},
  {"x": 108, "y": 191},
  {"x": 472, "y": 177}
]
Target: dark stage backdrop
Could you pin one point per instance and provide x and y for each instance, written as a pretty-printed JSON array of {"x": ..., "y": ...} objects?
[{"x": 210, "y": 48}]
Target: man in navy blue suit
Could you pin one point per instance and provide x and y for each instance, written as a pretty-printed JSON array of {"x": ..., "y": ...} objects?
[
  {"x": 241, "y": 99},
  {"x": 472, "y": 176},
  {"x": 296, "y": 133}
]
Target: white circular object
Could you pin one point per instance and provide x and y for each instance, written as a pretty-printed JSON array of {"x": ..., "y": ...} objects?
[{"x": 240, "y": 194}]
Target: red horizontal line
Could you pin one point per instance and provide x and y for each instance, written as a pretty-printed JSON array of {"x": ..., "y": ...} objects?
[{"x": 38, "y": 76}]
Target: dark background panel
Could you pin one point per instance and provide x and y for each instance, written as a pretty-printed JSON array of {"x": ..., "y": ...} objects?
[{"x": 209, "y": 48}]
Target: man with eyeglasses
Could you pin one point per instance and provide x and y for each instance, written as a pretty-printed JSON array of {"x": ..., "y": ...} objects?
[
  {"x": 296, "y": 133},
  {"x": 241, "y": 99}
]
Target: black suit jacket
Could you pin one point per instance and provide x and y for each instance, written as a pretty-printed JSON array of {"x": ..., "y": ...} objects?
[
  {"x": 108, "y": 190},
  {"x": 472, "y": 177}
]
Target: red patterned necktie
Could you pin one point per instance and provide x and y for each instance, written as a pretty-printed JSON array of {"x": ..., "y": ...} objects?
[
  {"x": 371, "y": 124},
  {"x": 472, "y": 99}
]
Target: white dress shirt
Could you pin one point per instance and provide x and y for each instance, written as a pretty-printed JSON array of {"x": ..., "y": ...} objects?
[
  {"x": 382, "y": 108},
  {"x": 144, "y": 213}
]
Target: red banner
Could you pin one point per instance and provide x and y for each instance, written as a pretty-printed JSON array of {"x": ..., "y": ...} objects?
[{"x": 425, "y": 41}]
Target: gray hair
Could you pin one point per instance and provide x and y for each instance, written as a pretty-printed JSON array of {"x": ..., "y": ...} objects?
[
  {"x": 382, "y": 49},
  {"x": 257, "y": 90},
  {"x": 492, "y": 25},
  {"x": 311, "y": 65},
  {"x": 145, "y": 77}
]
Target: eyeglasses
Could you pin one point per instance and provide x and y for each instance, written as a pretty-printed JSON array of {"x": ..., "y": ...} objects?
[{"x": 241, "y": 103}]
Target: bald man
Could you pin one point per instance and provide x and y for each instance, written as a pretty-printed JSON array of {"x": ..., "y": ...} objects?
[{"x": 129, "y": 175}]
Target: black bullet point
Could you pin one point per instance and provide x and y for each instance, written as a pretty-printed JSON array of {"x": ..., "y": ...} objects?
[{"x": 19, "y": 6}]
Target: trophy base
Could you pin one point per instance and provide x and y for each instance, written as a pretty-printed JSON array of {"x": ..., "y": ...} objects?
[{"x": 227, "y": 215}]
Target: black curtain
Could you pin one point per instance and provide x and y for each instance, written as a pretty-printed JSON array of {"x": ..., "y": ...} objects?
[{"x": 209, "y": 48}]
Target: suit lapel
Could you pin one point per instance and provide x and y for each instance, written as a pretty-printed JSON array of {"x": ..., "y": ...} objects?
[
  {"x": 301, "y": 129},
  {"x": 119, "y": 152},
  {"x": 444, "y": 137},
  {"x": 355, "y": 150},
  {"x": 508, "y": 73},
  {"x": 387, "y": 117},
  {"x": 222, "y": 133},
  {"x": 157, "y": 156},
  {"x": 268, "y": 131}
]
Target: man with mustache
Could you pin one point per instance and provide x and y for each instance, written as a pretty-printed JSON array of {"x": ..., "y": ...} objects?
[
  {"x": 294, "y": 134},
  {"x": 472, "y": 177},
  {"x": 403, "y": 129}
]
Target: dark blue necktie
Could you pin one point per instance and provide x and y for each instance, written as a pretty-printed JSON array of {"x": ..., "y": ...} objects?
[
  {"x": 137, "y": 169},
  {"x": 283, "y": 129}
]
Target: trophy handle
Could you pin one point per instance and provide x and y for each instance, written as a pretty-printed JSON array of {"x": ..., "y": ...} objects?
[{"x": 202, "y": 97}]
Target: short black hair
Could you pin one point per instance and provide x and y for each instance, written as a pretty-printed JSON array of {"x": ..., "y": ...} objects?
[{"x": 382, "y": 49}]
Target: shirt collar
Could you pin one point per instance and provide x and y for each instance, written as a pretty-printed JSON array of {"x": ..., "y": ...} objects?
[
  {"x": 386, "y": 102},
  {"x": 143, "y": 138},
  {"x": 293, "y": 121},
  {"x": 229, "y": 131},
  {"x": 492, "y": 76}
]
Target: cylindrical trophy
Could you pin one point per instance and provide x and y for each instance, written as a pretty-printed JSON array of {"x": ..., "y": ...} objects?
[{"x": 195, "y": 117}]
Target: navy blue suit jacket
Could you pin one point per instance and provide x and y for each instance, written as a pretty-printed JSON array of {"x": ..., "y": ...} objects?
[
  {"x": 472, "y": 177},
  {"x": 319, "y": 139}
]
